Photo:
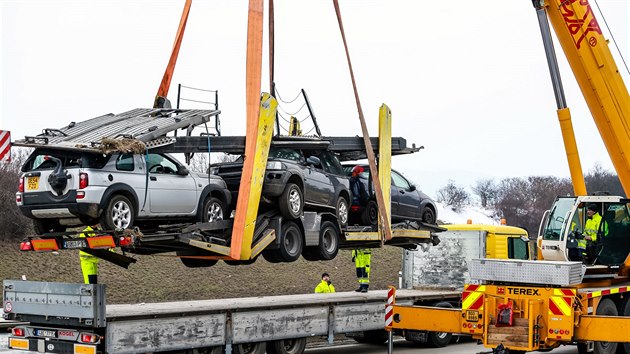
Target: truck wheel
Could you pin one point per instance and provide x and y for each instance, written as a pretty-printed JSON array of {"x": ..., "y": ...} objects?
[
  {"x": 440, "y": 339},
  {"x": 118, "y": 213},
  {"x": 195, "y": 262},
  {"x": 625, "y": 311},
  {"x": 606, "y": 307},
  {"x": 343, "y": 211},
  {"x": 369, "y": 215},
  {"x": 249, "y": 348},
  {"x": 212, "y": 210},
  {"x": 286, "y": 346},
  {"x": 328, "y": 244},
  {"x": 291, "y": 202},
  {"x": 291, "y": 242}
]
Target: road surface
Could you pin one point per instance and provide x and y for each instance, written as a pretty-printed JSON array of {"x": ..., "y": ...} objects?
[{"x": 400, "y": 347}]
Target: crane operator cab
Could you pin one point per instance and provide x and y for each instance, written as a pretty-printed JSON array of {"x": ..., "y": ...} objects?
[{"x": 591, "y": 229}]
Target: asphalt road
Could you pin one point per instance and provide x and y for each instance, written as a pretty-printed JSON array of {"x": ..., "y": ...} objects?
[{"x": 400, "y": 347}]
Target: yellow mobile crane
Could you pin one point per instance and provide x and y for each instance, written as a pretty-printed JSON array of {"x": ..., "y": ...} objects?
[{"x": 521, "y": 306}]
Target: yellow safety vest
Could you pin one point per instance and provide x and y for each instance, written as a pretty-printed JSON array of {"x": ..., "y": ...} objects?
[{"x": 324, "y": 287}]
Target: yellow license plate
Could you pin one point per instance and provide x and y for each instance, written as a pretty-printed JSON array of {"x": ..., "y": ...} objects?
[
  {"x": 32, "y": 183},
  {"x": 472, "y": 316},
  {"x": 84, "y": 349}
]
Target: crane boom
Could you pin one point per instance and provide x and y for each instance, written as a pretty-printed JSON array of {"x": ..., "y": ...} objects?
[{"x": 599, "y": 79}]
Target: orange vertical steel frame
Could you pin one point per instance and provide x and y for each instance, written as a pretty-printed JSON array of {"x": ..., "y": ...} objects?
[
  {"x": 170, "y": 68},
  {"x": 252, "y": 97}
]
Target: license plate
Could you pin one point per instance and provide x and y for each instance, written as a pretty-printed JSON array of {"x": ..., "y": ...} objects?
[
  {"x": 74, "y": 244},
  {"x": 472, "y": 316},
  {"x": 45, "y": 333},
  {"x": 32, "y": 183}
]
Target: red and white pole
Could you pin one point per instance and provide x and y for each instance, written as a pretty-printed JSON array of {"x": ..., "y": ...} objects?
[{"x": 389, "y": 317}]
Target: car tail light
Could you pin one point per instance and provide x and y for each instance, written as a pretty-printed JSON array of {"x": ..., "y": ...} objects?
[
  {"x": 18, "y": 197},
  {"x": 89, "y": 338},
  {"x": 21, "y": 185},
  {"x": 84, "y": 181},
  {"x": 125, "y": 241},
  {"x": 355, "y": 208},
  {"x": 80, "y": 194},
  {"x": 18, "y": 332},
  {"x": 26, "y": 246}
]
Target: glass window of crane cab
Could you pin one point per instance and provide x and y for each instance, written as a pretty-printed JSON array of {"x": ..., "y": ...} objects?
[{"x": 555, "y": 224}]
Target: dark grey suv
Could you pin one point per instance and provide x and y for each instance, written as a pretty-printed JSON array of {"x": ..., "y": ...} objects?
[{"x": 296, "y": 180}]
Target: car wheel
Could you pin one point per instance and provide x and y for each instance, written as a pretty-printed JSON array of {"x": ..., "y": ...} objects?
[
  {"x": 328, "y": 241},
  {"x": 291, "y": 202},
  {"x": 428, "y": 216},
  {"x": 118, "y": 213},
  {"x": 606, "y": 308},
  {"x": 213, "y": 210},
  {"x": 195, "y": 262},
  {"x": 342, "y": 211},
  {"x": 369, "y": 215},
  {"x": 286, "y": 346},
  {"x": 45, "y": 226}
]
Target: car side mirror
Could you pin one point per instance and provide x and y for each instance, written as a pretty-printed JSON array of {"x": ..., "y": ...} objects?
[
  {"x": 313, "y": 160},
  {"x": 182, "y": 170},
  {"x": 412, "y": 188}
]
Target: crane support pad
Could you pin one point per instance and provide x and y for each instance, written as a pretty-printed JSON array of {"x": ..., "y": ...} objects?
[
  {"x": 422, "y": 318},
  {"x": 603, "y": 328}
]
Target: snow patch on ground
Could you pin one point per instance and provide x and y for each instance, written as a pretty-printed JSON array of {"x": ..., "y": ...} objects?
[{"x": 477, "y": 214}]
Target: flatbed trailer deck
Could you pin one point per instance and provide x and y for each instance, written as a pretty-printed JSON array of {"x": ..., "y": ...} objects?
[{"x": 207, "y": 324}]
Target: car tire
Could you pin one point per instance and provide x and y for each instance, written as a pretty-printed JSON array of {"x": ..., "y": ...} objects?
[
  {"x": 369, "y": 215},
  {"x": 606, "y": 308},
  {"x": 118, "y": 213},
  {"x": 286, "y": 346},
  {"x": 45, "y": 226},
  {"x": 428, "y": 216},
  {"x": 342, "y": 210},
  {"x": 195, "y": 262},
  {"x": 213, "y": 209},
  {"x": 440, "y": 339},
  {"x": 291, "y": 202},
  {"x": 249, "y": 348}
]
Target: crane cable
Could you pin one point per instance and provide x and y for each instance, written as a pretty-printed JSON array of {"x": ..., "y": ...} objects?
[
  {"x": 613, "y": 37},
  {"x": 366, "y": 138}
]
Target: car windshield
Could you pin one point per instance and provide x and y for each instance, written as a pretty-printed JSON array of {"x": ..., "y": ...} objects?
[
  {"x": 69, "y": 159},
  {"x": 286, "y": 154}
]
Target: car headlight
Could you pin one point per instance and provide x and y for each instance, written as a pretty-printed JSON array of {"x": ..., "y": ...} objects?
[
  {"x": 274, "y": 165},
  {"x": 214, "y": 170}
]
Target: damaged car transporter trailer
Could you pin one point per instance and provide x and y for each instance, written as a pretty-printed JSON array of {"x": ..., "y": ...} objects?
[{"x": 539, "y": 305}]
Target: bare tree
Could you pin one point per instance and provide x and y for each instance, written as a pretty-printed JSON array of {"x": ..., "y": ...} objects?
[
  {"x": 14, "y": 224},
  {"x": 599, "y": 179},
  {"x": 453, "y": 195},
  {"x": 201, "y": 162},
  {"x": 486, "y": 190}
]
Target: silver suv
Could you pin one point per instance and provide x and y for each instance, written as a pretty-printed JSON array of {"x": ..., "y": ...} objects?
[{"x": 61, "y": 188}]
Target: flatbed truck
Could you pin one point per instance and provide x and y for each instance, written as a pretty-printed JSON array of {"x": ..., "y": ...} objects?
[{"x": 74, "y": 318}]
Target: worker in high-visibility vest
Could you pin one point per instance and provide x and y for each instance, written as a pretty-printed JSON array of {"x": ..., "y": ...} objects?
[
  {"x": 361, "y": 258},
  {"x": 591, "y": 229},
  {"x": 325, "y": 286},
  {"x": 89, "y": 263}
]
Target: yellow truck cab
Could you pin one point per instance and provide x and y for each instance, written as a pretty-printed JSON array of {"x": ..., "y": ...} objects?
[{"x": 499, "y": 241}]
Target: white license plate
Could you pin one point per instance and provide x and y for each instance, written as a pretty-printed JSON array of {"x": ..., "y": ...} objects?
[
  {"x": 45, "y": 333},
  {"x": 74, "y": 244}
]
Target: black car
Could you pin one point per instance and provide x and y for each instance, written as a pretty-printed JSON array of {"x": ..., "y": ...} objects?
[
  {"x": 408, "y": 203},
  {"x": 296, "y": 180}
]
